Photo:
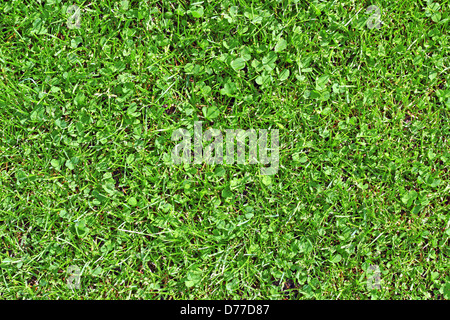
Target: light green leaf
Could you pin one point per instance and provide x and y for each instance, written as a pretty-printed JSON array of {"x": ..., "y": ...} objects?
[
  {"x": 267, "y": 180},
  {"x": 132, "y": 202},
  {"x": 238, "y": 64},
  {"x": 284, "y": 74},
  {"x": 336, "y": 258},
  {"x": 281, "y": 45},
  {"x": 211, "y": 112},
  {"x": 197, "y": 13},
  {"x": 55, "y": 164}
]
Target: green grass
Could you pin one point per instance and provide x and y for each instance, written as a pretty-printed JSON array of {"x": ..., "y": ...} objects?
[{"x": 85, "y": 139}]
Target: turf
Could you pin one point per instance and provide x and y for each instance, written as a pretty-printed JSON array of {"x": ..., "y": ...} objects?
[{"x": 86, "y": 177}]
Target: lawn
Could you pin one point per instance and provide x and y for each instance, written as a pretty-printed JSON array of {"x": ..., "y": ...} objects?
[{"x": 92, "y": 205}]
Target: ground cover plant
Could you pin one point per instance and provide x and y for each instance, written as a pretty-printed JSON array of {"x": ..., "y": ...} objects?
[{"x": 88, "y": 105}]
